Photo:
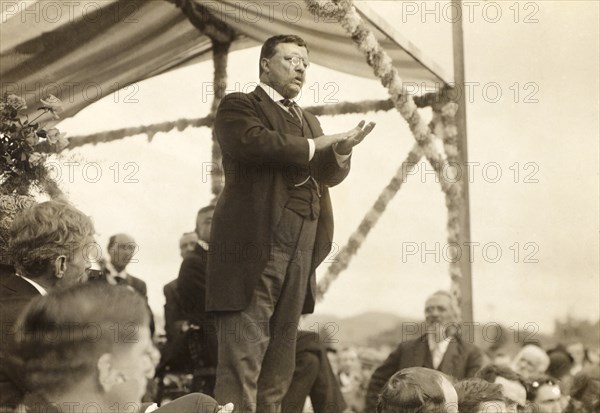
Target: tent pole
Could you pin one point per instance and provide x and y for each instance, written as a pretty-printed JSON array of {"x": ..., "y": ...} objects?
[{"x": 466, "y": 286}]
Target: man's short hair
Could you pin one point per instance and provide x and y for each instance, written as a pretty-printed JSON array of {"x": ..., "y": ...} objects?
[
  {"x": 42, "y": 233},
  {"x": 490, "y": 372},
  {"x": 205, "y": 209},
  {"x": 473, "y": 392},
  {"x": 113, "y": 240},
  {"x": 413, "y": 390},
  {"x": 268, "y": 48},
  {"x": 53, "y": 340}
]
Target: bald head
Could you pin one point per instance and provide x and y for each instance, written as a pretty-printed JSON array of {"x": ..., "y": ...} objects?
[
  {"x": 121, "y": 248},
  {"x": 530, "y": 360}
]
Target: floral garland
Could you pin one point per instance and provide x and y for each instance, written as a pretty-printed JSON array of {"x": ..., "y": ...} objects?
[
  {"x": 341, "y": 108},
  {"x": 149, "y": 130},
  {"x": 445, "y": 118},
  {"x": 380, "y": 61},
  {"x": 425, "y": 135},
  {"x": 220, "y": 55},
  {"x": 25, "y": 146},
  {"x": 358, "y": 237}
]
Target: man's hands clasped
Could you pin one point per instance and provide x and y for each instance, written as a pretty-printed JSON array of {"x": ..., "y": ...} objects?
[{"x": 344, "y": 142}]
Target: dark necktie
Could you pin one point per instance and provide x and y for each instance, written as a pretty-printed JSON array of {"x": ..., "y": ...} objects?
[{"x": 293, "y": 109}]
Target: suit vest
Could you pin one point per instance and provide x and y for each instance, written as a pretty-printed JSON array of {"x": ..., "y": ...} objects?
[{"x": 305, "y": 195}]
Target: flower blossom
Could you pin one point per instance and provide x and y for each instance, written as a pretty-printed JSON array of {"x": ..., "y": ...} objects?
[{"x": 17, "y": 102}]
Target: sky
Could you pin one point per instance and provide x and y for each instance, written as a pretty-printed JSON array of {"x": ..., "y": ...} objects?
[{"x": 533, "y": 142}]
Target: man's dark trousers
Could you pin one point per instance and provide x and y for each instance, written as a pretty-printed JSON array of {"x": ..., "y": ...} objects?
[{"x": 259, "y": 335}]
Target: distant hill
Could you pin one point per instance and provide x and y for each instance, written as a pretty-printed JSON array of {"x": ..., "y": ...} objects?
[
  {"x": 377, "y": 329},
  {"x": 356, "y": 330}
]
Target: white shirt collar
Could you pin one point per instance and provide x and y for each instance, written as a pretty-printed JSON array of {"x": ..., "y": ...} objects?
[
  {"x": 273, "y": 94},
  {"x": 112, "y": 273},
  {"x": 442, "y": 345},
  {"x": 203, "y": 244},
  {"x": 35, "y": 285}
]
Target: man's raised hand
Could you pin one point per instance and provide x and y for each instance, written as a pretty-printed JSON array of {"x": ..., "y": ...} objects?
[
  {"x": 357, "y": 135},
  {"x": 344, "y": 141}
]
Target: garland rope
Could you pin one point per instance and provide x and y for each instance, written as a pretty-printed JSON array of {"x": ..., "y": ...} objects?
[
  {"x": 380, "y": 61},
  {"x": 345, "y": 13},
  {"x": 368, "y": 222},
  {"x": 341, "y": 108},
  {"x": 220, "y": 55},
  {"x": 442, "y": 125},
  {"x": 445, "y": 117}
]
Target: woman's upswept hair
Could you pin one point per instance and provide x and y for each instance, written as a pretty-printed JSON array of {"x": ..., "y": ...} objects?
[
  {"x": 40, "y": 234},
  {"x": 59, "y": 337}
]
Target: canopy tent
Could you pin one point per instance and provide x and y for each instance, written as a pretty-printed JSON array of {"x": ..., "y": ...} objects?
[
  {"x": 83, "y": 51},
  {"x": 87, "y": 50}
]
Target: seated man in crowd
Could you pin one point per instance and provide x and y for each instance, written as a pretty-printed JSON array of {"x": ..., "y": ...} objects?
[
  {"x": 417, "y": 390},
  {"x": 531, "y": 359},
  {"x": 480, "y": 396},
  {"x": 580, "y": 356},
  {"x": 48, "y": 243},
  {"x": 514, "y": 387},
  {"x": 544, "y": 394},
  {"x": 560, "y": 367},
  {"x": 352, "y": 379},
  {"x": 437, "y": 348},
  {"x": 585, "y": 391}
]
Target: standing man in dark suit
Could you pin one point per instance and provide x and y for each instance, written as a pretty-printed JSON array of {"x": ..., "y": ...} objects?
[
  {"x": 273, "y": 225},
  {"x": 438, "y": 348},
  {"x": 121, "y": 249},
  {"x": 201, "y": 339},
  {"x": 191, "y": 282},
  {"x": 174, "y": 314}
]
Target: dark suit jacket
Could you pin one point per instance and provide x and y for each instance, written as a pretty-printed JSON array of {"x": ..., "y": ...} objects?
[
  {"x": 461, "y": 360},
  {"x": 262, "y": 154},
  {"x": 174, "y": 353},
  {"x": 134, "y": 282},
  {"x": 173, "y": 310},
  {"x": 191, "y": 286},
  {"x": 15, "y": 294},
  {"x": 137, "y": 284}
]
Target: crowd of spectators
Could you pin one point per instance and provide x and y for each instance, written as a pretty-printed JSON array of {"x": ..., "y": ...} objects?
[{"x": 72, "y": 337}]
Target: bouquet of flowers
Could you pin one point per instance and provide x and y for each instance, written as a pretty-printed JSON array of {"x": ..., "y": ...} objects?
[{"x": 25, "y": 145}]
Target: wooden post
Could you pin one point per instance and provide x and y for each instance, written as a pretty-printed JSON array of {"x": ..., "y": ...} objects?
[{"x": 466, "y": 286}]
